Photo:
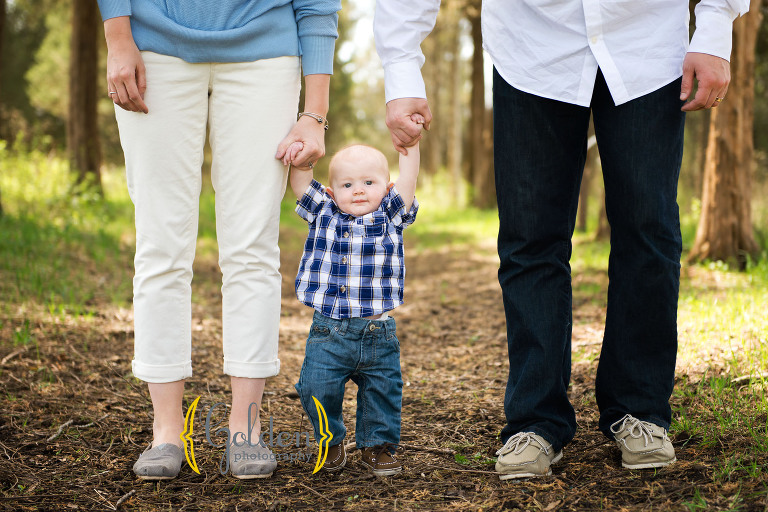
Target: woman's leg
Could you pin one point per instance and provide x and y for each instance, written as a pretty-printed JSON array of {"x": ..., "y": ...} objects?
[
  {"x": 163, "y": 156},
  {"x": 253, "y": 106},
  {"x": 168, "y": 417},
  {"x": 246, "y": 392}
]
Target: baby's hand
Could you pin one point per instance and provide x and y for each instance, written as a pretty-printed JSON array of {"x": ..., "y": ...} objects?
[
  {"x": 293, "y": 150},
  {"x": 418, "y": 118}
]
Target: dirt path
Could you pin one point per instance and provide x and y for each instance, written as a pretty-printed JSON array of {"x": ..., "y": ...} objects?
[{"x": 454, "y": 366}]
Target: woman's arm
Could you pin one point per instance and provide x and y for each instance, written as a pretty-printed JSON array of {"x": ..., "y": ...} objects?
[
  {"x": 126, "y": 76},
  {"x": 308, "y": 130}
]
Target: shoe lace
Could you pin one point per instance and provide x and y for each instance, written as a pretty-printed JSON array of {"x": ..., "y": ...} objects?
[
  {"x": 520, "y": 442},
  {"x": 386, "y": 448},
  {"x": 636, "y": 428}
]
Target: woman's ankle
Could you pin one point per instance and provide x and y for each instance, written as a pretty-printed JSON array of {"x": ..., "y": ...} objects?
[{"x": 167, "y": 434}]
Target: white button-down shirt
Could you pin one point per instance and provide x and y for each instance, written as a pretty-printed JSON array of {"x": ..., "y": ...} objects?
[{"x": 553, "y": 48}]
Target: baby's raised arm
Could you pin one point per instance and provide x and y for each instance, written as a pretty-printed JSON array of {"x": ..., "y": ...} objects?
[
  {"x": 409, "y": 172},
  {"x": 300, "y": 178},
  {"x": 409, "y": 169}
]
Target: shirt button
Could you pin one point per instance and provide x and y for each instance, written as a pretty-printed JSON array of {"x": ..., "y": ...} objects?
[
  {"x": 346, "y": 234},
  {"x": 594, "y": 39},
  {"x": 343, "y": 289},
  {"x": 344, "y": 259}
]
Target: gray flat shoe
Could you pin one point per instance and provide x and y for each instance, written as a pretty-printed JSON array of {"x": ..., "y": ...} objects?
[
  {"x": 251, "y": 461},
  {"x": 162, "y": 462}
]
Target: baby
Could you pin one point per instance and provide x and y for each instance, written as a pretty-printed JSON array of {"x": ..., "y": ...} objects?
[{"x": 352, "y": 273}]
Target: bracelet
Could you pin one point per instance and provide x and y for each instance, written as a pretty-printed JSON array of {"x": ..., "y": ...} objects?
[{"x": 317, "y": 117}]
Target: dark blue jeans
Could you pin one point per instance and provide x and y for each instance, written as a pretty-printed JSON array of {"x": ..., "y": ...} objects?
[
  {"x": 540, "y": 147},
  {"x": 366, "y": 351}
]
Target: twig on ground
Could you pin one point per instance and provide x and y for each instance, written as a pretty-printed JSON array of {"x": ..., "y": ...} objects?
[
  {"x": 125, "y": 498},
  {"x": 91, "y": 423},
  {"x": 105, "y": 500},
  {"x": 442, "y": 451},
  {"x": 314, "y": 492},
  {"x": 13, "y": 354},
  {"x": 452, "y": 469},
  {"x": 744, "y": 379},
  {"x": 61, "y": 429}
]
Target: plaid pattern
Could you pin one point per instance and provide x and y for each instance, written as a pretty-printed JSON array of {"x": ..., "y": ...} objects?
[{"x": 352, "y": 266}]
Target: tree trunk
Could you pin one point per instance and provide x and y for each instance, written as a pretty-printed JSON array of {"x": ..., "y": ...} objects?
[
  {"x": 431, "y": 144},
  {"x": 725, "y": 227},
  {"x": 456, "y": 118},
  {"x": 590, "y": 170},
  {"x": 2, "y": 31},
  {"x": 82, "y": 127},
  {"x": 481, "y": 170},
  {"x": 603, "y": 231}
]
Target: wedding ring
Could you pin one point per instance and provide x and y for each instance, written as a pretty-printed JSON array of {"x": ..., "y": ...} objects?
[
  {"x": 311, "y": 165},
  {"x": 718, "y": 99},
  {"x": 112, "y": 92}
]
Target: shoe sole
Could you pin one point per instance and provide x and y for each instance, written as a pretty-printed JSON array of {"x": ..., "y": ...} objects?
[
  {"x": 150, "y": 478},
  {"x": 252, "y": 477},
  {"x": 337, "y": 468},
  {"x": 382, "y": 472},
  {"x": 648, "y": 465},
  {"x": 510, "y": 476}
]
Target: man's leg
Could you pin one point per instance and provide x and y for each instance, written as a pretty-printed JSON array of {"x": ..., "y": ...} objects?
[
  {"x": 539, "y": 152},
  {"x": 641, "y": 146}
]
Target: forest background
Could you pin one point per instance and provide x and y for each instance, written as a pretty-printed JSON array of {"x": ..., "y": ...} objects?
[{"x": 66, "y": 246}]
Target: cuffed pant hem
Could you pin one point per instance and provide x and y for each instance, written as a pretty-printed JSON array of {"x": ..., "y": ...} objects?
[
  {"x": 361, "y": 445},
  {"x": 161, "y": 373},
  {"x": 252, "y": 370}
]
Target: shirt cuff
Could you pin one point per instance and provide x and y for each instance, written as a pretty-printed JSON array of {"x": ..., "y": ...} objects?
[
  {"x": 307, "y": 206},
  {"x": 403, "y": 80},
  {"x": 317, "y": 54},
  {"x": 712, "y": 35},
  {"x": 114, "y": 8}
]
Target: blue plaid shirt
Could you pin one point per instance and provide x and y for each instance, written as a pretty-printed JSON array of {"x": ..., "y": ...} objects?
[{"x": 352, "y": 266}]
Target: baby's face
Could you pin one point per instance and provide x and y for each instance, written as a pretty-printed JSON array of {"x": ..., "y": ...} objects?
[{"x": 358, "y": 191}]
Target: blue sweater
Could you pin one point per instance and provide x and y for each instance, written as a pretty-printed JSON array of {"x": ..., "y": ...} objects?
[{"x": 233, "y": 30}]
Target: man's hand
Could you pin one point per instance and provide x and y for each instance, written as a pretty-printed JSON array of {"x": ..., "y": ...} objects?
[
  {"x": 404, "y": 130},
  {"x": 713, "y": 75}
]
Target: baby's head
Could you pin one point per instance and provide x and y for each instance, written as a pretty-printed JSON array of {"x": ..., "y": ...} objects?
[{"x": 358, "y": 178}]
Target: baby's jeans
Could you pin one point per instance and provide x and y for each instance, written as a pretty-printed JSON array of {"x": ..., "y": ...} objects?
[
  {"x": 366, "y": 351},
  {"x": 249, "y": 107}
]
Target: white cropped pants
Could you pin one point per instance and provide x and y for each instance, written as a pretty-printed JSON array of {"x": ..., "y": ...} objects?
[{"x": 249, "y": 108}]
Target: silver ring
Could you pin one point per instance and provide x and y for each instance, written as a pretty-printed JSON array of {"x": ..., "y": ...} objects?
[
  {"x": 311, "y": 165},
  {"x": 112, "y": 92}
]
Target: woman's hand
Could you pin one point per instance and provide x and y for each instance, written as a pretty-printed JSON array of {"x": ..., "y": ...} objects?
[
  {"x": 126, "y": 75},
  {"x": 307, "y": 130},
  {"x": 304, "y": 145}
]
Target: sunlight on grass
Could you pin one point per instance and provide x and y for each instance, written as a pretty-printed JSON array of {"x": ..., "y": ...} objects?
[
  {"x": 722, "y": 320},
  {"x": 61, "y": 250}
]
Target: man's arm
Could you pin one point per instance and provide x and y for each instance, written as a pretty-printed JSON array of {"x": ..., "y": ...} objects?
[
  {"x": 709, "y": 53},
  {"x": 399, "y": 28}
]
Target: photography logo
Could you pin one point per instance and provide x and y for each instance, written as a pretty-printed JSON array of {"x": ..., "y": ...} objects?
[
  {"x": 325, "y": 435},
  {"x": 272, "y": 439}
]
